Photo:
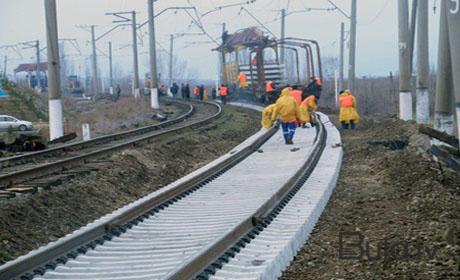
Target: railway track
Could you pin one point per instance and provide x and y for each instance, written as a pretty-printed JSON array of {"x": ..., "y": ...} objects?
[
  {"x": 47, "y": 168},
  {"x": 196, "y": 226}
]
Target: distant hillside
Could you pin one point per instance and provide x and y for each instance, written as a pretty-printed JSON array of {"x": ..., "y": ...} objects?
[{"x": 23, "y": 103}]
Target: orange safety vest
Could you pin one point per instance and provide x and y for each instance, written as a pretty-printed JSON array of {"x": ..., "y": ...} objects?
[
  {"x": 223, "y": 91},
  {"x": 297, "y": 94},
  {"x": 243, "y": 78},
  {"x": 196, "y": 91},
  {"x": 269, "y": 87},
  {"x": 346, "y": 101},
  {"x": 311, "y": 97},
  {"x": 318, "y": 82}
]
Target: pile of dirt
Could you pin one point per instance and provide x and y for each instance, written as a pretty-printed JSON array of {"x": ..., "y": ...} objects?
[
  {"x": 384, "y": 193},
  {"x": 35, "y": 220}
]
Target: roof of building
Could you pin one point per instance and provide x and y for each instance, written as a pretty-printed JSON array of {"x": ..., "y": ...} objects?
[{"x": 29, "y": 67}]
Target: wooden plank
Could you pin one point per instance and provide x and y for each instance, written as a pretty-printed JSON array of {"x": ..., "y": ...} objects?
[{"x": 440, "y": 135}]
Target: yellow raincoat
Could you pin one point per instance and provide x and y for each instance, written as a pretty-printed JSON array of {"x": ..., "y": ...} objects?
[
  {"x": 242, "y": 80},
  {"x": 267, "y": 116},
  {"x": 286, "y": 107},
  {"x": 305, "y": 109},
  {"x": 348, "y": 113},
  {"x": 205, "y": 95}
]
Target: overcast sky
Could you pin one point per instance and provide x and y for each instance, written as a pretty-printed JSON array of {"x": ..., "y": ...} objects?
[{"x": 377, "y": 33}]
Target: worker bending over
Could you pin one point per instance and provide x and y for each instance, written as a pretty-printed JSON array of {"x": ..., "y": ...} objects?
[
  {"x": 307, "y": 107},
  {"x": 287, "y": 108},
  {"x": 348, "y": 113}
]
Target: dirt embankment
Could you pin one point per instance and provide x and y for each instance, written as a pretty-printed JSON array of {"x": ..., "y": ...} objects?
[
  {"x": 386, "y": 194},
  {"x": 35, "y": 220}
]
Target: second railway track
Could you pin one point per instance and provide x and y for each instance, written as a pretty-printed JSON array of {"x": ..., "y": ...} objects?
[{"x": 46, "y": 168}]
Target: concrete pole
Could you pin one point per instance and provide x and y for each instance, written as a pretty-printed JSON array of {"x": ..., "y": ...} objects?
[
  {"x": 110, "y": 68},
  {"x": 405, "y": 97},
  {"x": 453, "y": 21},
  {"x": 171, "y": 49},
  {"x": 136, "y": 68},
  {"x": 54, "y": 103},
  {"x": 154, "y": 102},
  {"x": 423, "y": 95},
  {"x": 444, "y": 109},
  {"x": 351, "y": 56},
  {"x": 222, "y": 72},
  {"x": 342, "y": 39},
  {"x": 37, "y": 46},
  {"x": 283, "y": 17},
  {"x": 413, "y": 18},
  {"x": 95, "y": 79}
]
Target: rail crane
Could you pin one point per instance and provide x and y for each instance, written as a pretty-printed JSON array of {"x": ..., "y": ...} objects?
[{"x": 258, "y": 57}]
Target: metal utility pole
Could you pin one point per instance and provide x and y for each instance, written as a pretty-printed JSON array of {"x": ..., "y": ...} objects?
[
  {"x": 405, "y": 96},
  {"x": 423, "y": 95},
  {"x": 283, "y": 17},
  {"x": 55, "y": 105},
  {"x": 95, "y": 79},
  {"x": 444, "y": 109},
  {"x": 171, "y": 49},
  {"x": 342, "y": 39},
  {"x": 110, "y": 68},
  {"x": 153, "y": 60},
  {"x": 351, "y": 56},
  {"x": 37, "y": 46},
  {"x": 136, "y": 68},
  {"x": 453, "y": 21},
  {"x": 222, "y": 72}
]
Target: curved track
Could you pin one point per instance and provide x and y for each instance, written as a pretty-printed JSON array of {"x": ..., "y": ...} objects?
[
  {"x": 27, "y": 173},
  {"x": 188, "y": 229}
]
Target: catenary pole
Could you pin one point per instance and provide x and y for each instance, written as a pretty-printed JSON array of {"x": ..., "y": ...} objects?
[
  {"x": 153, "y": 63},
  {"x": 4, "y": 66},
  {"x": 405, "y": 97},
  {"x": 37, "y": 46},
  {"x": 413, "y": 22},
  {"x": 453, "y": 22},
  {"x": 444, "y": 109},
  {"x": 283, "y": 18},
  {"x": 110, "y": 68},
  {"x": 342, "y": 39},
  {"x": 171, "y": 49},
  {"x": 94, "y": 61},
  {"x": 423, "y": 95},
  {"x": 351, "y": 57},
  {"x": 136, "y": 68},
  {"x": 55, "y": 105}
]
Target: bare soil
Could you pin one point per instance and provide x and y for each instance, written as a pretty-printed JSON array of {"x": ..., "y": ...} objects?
[
  {"x": 397, "y": 195},
  {"x": 35, "y": 220}
]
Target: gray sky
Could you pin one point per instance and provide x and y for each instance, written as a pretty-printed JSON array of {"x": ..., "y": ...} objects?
[{"x": 377, "y": 34}]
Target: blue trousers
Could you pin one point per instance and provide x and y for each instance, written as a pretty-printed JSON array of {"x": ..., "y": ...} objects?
[{"x": 288, "y": 130}]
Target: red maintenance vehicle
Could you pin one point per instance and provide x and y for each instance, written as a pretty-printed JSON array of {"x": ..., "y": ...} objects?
[{"x": 291, "y": 61}]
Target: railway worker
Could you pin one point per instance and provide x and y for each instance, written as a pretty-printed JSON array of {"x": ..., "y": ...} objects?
[
  {"x": 287, "y": 108},
  {"x": 201, "y": 92},
  {"x": 182, "y": 90},
  {"x": 348, "y": 113},
  {"x": 223, "y": 91},
  {"x": 118, "y": 92},
  {"x": 267, "y": 116},
  {"x": 213, "y": 93},
  {"x": 297, "y": 95},
  {"x": 196, "y": 92},
  {"x": 306, "y": 108},
  {"x": 174, "y": 89},
  {"x": 314, "y": 87},
  {"x": 243, "y": 80},
  {"x": 187, "y": 91}
]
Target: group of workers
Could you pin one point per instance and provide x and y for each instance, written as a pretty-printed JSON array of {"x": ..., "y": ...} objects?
[{"x": 295, "y": 108}]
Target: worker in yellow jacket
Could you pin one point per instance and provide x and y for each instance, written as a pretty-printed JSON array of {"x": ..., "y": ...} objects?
[
  {"x": 267, "y": 116},
  {"x": 287, "y": 108},
  {"x": 348, "y": 113},
  {"x": 306, "y": 108}
]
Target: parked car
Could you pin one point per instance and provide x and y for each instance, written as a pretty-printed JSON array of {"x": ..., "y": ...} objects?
[{"x": 7, "y": 121}]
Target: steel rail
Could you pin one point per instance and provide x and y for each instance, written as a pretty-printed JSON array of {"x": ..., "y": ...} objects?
[
  {"x": 9, "y": 178},
  {"x": 213, "y": 251},
  {"x": 81, "y": 240},
  {"x": 15, "y": 160}
]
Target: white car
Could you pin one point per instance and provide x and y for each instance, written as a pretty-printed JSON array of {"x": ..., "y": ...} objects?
[{"x": 7, "y": 121}]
